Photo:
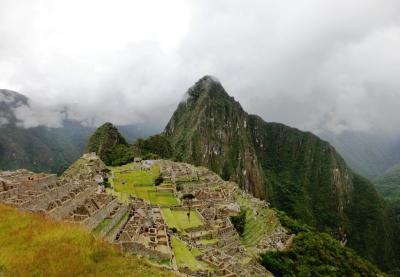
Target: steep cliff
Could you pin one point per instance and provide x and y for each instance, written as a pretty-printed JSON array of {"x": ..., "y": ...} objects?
[{"x": 296, "y": 171}]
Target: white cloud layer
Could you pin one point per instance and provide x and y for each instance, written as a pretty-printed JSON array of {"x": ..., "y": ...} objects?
[{"x": 308, "y": 63}]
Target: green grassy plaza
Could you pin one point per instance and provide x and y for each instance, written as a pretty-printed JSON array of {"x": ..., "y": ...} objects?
[
  {"x": 187, "y": 258},
  {"x": 140, "y": 183},
  {"x": 180, "y": 220}
]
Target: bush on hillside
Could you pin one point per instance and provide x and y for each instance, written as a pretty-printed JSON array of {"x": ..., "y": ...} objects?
[
  {"x": 239, "y": 221},
  {"x": 317, "y": 254},
  {"x": 157, "y": 145}
]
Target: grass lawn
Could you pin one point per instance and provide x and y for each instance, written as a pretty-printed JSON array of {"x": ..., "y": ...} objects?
[
  {"x": 141, "y": 184},
  {"x": 31, "y": 245},
  {"x": 185, "y": 257},
  {"x": 180, "y": 220}
]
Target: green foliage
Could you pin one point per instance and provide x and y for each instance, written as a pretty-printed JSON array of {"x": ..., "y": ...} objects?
[
  {"x": 157, "y": 145},
  {"x": 188, "y": 196},
  {"x": 110, "y": 146},
  {"x": 117, "y": 155},
  {"x": 239, "y": 221},
  {"x": 158, "y": 181},
  {"x": 369, "y": 213},
  {"x": 389, "y": 184},
  {"x": 291, "y": 224},
  {"x": 317, "y": 254},
  {"x": 41, "y": 149}
]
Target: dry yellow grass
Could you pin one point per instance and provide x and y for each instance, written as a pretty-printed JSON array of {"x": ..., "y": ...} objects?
[{"x": 31, "y": 245}]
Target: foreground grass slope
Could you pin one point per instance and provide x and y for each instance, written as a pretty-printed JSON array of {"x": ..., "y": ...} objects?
[{"x": 31, "y": 245}]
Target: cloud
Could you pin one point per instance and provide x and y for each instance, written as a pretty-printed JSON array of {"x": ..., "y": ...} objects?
[
  {"x": 311, "y": 64},
  {"x": 36, "y": 115}
]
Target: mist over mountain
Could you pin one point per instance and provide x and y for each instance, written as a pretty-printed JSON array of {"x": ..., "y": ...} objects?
[
  {"x": 369, "y": 153},
  {"x": 294, "y": 170},
  {"x": 40, "y": 147}
]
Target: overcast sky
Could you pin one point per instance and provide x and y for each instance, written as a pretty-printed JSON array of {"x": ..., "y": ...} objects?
[{"x": 310, "y": 64}]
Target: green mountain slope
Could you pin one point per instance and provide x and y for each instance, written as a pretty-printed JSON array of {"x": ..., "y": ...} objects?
[
  {"x": 389, "y": 184},
  {"x": 296, "y": 171},
  {"x": 315, "y": 254},
  {"x": 209, "y": 129},
  {"x": 369, "y": 153},
  {"x": 110, "y": 145},
  {"x": 40, "y": 148}
]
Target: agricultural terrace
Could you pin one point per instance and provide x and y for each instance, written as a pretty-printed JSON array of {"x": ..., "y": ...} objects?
[
  {"x": 259, "y": 221},
  {"x": 129, "y": 180}
]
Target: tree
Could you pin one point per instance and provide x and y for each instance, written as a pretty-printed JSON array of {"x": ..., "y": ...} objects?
[
  {"x": 189, "y": 198},
  {"x": 239, "y": 221}
]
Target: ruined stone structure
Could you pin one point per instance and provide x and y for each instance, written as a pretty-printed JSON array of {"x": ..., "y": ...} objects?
[
  {"x": 140, "y": 227},
  {"x": 74, "y": 197},
  {"x": 145, "y": 232}
]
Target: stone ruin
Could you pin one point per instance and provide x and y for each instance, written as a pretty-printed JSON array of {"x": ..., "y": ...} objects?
[
  {"x": 140, "y": 227},
  {"x": 74, "y": 198},
  {"x": 215, "y": 201},
  {"x": 145, "y": 232}
]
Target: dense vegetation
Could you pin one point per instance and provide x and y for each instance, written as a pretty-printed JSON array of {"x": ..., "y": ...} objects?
[
  {"x": 239, "y": 221},
  {"x": 389, "y": 184},
  {"x": 369, "y": 212},
  {"x": 157, "y": 145},
  {"x": 42, "y": 149},
  {"x": 296, "y": 171},
  {"x": 31, "y": 245},
  {"x": 369, "y": 153},
  {"x": 110, "y": 146},
  {"x": 315, "y": 254},
  {"x": 38, "y": 148},
  {"x": 114, "y": 150}
]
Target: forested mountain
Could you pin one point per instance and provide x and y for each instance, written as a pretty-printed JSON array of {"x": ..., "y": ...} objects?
[
  {"x": 369, "y": 153},
  {"x": 44, "y": 149},
  {"x": 296, "y": 171},
  {"x": 40, "y": 148}
]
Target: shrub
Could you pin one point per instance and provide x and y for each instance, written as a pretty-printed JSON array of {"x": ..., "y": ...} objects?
[{"x": 239, "y": 221}]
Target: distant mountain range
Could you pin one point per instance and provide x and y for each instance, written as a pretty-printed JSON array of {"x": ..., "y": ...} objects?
[
  {"x": 368, "y": 153},
  {"x": 44, "y": 149},
  {"x": 388, "y": 185}
]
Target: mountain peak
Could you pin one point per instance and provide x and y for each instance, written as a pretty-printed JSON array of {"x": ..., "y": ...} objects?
[
  {"x": 210, "y": 78},
  {"x": 206, "y": 87},
  {"x": 9, "y": 101},
  {"x": 109, "y": 145}
]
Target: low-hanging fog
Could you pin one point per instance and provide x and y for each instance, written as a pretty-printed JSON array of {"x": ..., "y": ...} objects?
[{"x": 316, "y": 65}]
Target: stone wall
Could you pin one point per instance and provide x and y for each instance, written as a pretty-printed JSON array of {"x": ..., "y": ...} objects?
[
  {"x": 95, "y": 219},
  {"x": 140, "y": 249},
  {"x": 68, "y": 206},
  {"x": 117, "y": 217},
  {"x": 111, "y": 237},
  {"x": 37, "y": 183},
  {"x": 42, "y": 201}
]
